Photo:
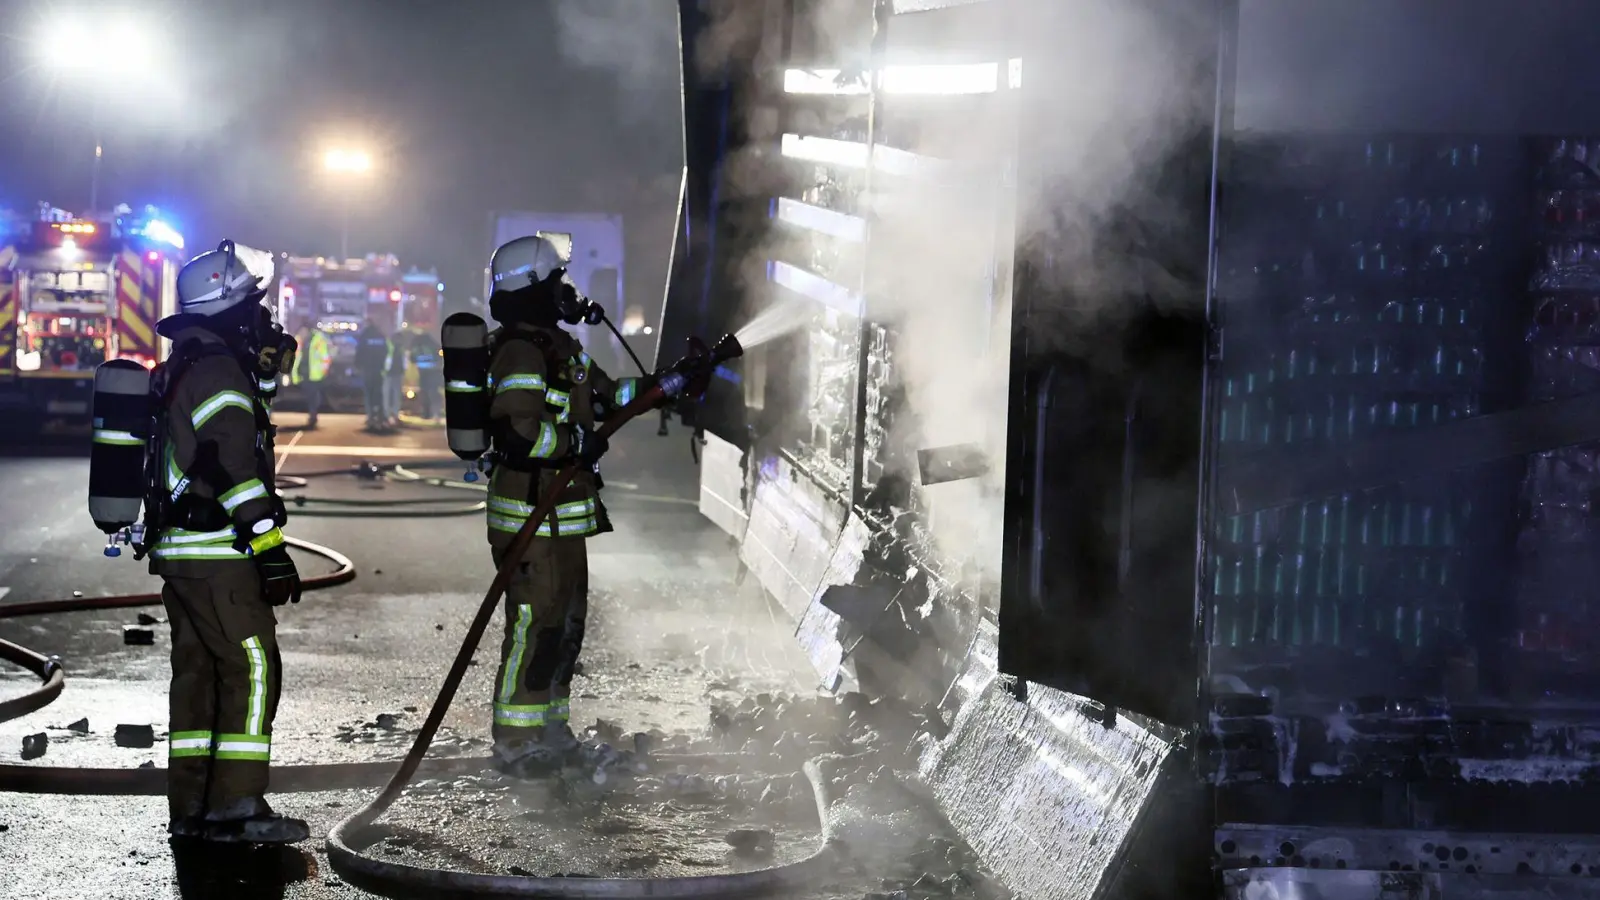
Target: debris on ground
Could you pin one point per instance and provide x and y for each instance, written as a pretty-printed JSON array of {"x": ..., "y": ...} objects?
[
  {"x": 750, "y": 841},
  {"x": 136, "y": 736},
  {"x": 387, "y": 721},
  {"x": 147, "y": 619},
  {"x": 148, "y": 764},
  {"x": 81, "y": 726},
  {"x": 138, "y": 636},
  {"x": 33, "y": 745}
]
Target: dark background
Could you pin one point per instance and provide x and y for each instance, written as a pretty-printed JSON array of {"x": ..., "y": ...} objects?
[{"x": 468, "y": 106}]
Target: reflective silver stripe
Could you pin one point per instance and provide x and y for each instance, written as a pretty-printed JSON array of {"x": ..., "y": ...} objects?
[
  {"x": 180, "y": 536},
  {"x": 243, "y": 494},
  {"x": 199, "y": 743},
  {"x": 462, "y": 387},
  {"x": 520, "y": 383},
  {"x": 218, "y": 402},
  {"x": 120, "y": 438},
  {"x": 626, "y": 390},
  {"x": 547, "y": 441},
  {"x": 519, "y": 647},
  {"x": 467, "y": 440},
  {"x": 163, "y": 551},
  {"x": 256, "y": 709}
]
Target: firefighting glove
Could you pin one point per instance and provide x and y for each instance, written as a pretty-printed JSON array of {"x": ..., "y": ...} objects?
[
  {"x": 280, "y": 580},
  {"x": 588, "y": 446}
]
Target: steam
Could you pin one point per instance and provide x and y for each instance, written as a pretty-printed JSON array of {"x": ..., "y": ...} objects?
[
  {"x": 1108, "y": 93},
  {"x": 636, "y": 43}
]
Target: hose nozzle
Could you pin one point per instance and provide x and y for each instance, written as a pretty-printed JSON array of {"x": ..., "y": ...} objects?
[{"x": 726, "y": 349}]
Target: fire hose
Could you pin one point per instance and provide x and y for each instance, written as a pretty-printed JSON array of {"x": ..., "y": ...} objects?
[
  {"x": 379, "y": 875},
  {"x": 392, "y": 879}
]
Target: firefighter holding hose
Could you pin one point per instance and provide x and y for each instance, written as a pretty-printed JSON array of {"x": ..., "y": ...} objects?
[
  {"x": 213, "y": 531},
  {"x": 547, "y": 399}
]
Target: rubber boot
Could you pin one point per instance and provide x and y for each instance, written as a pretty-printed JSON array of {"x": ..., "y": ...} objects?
[
  {"x": 558, "y": 737},
  {"x": 190, "y": 825},
  {"x": 526, "y": 757},
  {"x": 252, "y": 821}
]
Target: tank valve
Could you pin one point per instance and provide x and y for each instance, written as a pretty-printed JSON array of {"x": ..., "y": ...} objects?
[
  {"x": 130, "y": 536},
  {"x": 482, "y": 464}
]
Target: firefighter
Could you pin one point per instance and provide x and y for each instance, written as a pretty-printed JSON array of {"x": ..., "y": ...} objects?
[
  {"x": 430, "y": 374},
  {"x": 394, "y": 377},
  {"x": 312, "y": 369},
  {"x": 218, "y": 545},
  {"x": 372, "y": 361},
  {"x": 548, "y": 396}
]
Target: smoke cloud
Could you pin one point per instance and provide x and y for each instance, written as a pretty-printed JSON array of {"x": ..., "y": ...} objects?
[{"x": 1109, "y": 91}]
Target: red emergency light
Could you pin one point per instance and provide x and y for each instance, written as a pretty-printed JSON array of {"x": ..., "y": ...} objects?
[
  {"x": 394, "y": 296},
  {"x": 152, "y": 256}
]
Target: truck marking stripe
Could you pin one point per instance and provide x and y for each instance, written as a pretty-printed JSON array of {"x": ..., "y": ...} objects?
[
  {"x": 133, "y": 305},
  {"x": 137, "y": 328},
  {"x": 8, "y": 316}
]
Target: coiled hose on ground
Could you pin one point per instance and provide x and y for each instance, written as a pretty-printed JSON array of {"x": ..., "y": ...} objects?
[{"x": 382, "y": 876}]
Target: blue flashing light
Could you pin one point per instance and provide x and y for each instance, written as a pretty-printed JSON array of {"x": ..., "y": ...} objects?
[{"x": 161, "y": 233}]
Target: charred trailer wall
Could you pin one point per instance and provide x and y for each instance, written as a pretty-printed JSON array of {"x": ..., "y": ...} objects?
[{"x": 730, "y": 52}]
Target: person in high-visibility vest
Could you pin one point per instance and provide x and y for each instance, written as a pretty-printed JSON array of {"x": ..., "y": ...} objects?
[{"x": 312, "y": 368}]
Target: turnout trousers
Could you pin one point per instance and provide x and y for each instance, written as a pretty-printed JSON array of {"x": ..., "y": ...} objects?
[
  {"x": 225, "y": 684},
  {"x": 546, "y": 605}
]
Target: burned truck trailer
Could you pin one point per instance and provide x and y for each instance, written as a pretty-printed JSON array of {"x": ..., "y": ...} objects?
[{"x": 1188, "y": 405}]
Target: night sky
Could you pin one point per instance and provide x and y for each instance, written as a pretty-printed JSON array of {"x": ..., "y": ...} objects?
[{"x": 468, "y": 106}]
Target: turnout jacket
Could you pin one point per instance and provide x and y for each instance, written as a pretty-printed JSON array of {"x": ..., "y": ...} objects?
[
  {"x": 218, "y": 449},
  {"x": 542, "y": 384}
]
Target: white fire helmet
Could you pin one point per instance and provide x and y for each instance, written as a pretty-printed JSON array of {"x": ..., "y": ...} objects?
[
  {"x": 529, "y": 260},
  {"x": 221, "y": 279}
]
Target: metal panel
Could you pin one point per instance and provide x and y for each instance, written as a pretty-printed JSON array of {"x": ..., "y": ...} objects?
[{"x": 1107, "y": 350}]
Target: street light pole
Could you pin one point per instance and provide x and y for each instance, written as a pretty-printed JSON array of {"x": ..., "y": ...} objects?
[
  {"x": 99, "y": 151},
  {"x": 344, "y": 225}
]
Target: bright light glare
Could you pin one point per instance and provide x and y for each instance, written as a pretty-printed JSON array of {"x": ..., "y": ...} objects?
[
  {"x": 127, "y": 46},
  {"x": 347, "y": 161},
  {"x": 977, "y": 78}
]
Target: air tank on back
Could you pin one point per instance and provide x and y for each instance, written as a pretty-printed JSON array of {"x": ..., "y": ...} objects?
[
  {"x": 464, "y": 339},
  {"x": 122, "y": 421}
]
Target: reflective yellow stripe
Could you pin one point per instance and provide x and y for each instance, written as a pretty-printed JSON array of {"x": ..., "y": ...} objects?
[
  {"x": 256, "y": 707},
  {"x": 242, "y": 493},
  {"x": 545, "y": 447},
  {"x": 531, "y": 716},
  {"x": 519, "y": 647},
  {"x": 217, "y": 403},
  {"x": 244, "y": 747},
  {"x": 265, "y": 541}
]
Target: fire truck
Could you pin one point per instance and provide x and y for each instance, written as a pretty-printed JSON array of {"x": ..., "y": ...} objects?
[
  {"x": 340, "y": 297},
  {"x": 75, "y": 292}
]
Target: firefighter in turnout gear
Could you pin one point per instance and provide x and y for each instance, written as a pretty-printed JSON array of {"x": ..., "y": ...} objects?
[
  {"x": 548, "y": 396},
  {"x": 214, "y": 535}
]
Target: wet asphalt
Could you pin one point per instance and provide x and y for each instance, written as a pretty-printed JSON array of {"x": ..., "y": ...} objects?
[{"x": 670, "y": 631}]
